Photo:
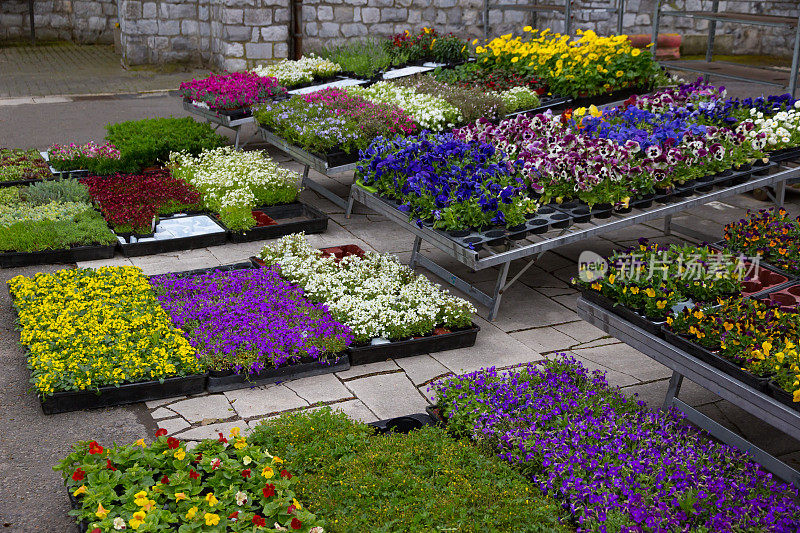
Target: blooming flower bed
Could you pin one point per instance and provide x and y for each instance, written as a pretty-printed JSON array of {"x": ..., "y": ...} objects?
[
  {"x": 232, "y": 182},
  {"x": 429, "y": 111},
  {"x": 249, "y": 320},
  {"x": 222, "y": 485},
  {"x": 452, "y": 183},
  {"x": 96, "y": 159},
  {"x": 22, "y": 165},
  {"x": 86, "y": 328},
  {"x": 770, "y": 233},
  {"x": 51, "y": 215},
  {"x": 229, "y": 92},
  {"x": 331, "y": 119},
  {"x": 291, "y": 73},
  {"x": 130, "y": 202},
  {"x": 586, "y": 65},
  {"x": 374, "y": 295},
  {"x": 427, "y": 44},
  {"x": 616, "y": 465}
]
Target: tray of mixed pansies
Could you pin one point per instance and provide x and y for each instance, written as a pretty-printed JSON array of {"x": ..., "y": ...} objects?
[
  {"x": 222, "y": 485},
  {"x": 772, "y": 234},
  {"x": 21, "y": 167},
  {"x": 649, "y": 283},
  {"x": 51, "y": 222},
  {"x": 251, "y": 196},
  {"x": 251, "y": 327},
  {"x": 391, "y": 311},
  {"x": 232, "y": 95},
  {"x": 97, "y": 338}
]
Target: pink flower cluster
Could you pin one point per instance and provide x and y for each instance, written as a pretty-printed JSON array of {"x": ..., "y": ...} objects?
[
  {"x": 356, "y": 107},
  {"x": 72, "y": 151},
  {"x": 232, "y": 91}
]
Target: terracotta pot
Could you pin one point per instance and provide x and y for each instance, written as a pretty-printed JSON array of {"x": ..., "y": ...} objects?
[{"x": 669, "y": 44}]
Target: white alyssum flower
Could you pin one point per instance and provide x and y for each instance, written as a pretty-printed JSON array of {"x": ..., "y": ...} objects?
[
  {"x": 294, "y": 72},
  {"x": 782, "y": 130},
  {"x": 429, "y": 111},
  {"x": 375, "y": 296}
]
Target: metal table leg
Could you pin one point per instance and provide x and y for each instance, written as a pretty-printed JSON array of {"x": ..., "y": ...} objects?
[{"x": 498, "y": 290}]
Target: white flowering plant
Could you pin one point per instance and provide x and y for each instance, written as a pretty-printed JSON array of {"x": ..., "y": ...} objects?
[
  {"x": 429, "y": 111},
  {"x": 781, "y": 130},
  {"x": 232, "y": 182},
  {"x": 518, "y": 98},
  {"x": 295, "y": 72},
  {"x": 375, "y": 296}
]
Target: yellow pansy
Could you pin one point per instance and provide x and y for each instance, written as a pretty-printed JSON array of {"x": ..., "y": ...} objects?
[{"x": 211, "y": 519}]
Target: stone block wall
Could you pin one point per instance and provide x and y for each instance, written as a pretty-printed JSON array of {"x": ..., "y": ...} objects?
[
  {"x": 735, "y": 38},
  {"x": 80, "y": 21}
]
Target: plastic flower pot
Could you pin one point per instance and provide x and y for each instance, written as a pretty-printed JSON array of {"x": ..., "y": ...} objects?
[
  {"x": 458, "y": 233},
  {"x": 601, "y": 210},
  {"x": 537, "y": 226}
]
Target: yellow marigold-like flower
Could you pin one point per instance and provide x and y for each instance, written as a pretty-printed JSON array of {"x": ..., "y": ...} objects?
[
  {"x": 211, "y": 499},
  {"x": 179, "y": 454},
  {"x": 267, "y": 472},
  {"x": 180, "y": 496},
  {"x": 101, "y": 512},
  {"x": 635, "y": 52},
  {"x": 191, "y": 512},
  {"x": 80, "y": 490},
  {"x": 211, "y": 519}
]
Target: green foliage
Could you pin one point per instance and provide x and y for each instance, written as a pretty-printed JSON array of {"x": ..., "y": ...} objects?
[
  {"x": 9, "y": 195},
  {"x": 362, "y": 58},
  {"x": 60, "y": 190},
  {"x": 237, "y": 217},
  {"x": 146, "y": 142},
  {"x": 423, "y": 481},
  {"x": 86, "y": 228},
  {"x": 449, "y": 49}
]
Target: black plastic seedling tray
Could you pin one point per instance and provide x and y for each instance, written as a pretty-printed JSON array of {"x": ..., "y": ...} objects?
[
  {"x": 219, "y": 381},
  {"x": 142, "y": 391},
  {"x": 177, "y": 244},
  {"x": 70, "y": 255},
  {"x": 404, "y": 424},
  {"x": 290, "y": 218},
  {"x": 631, "y": 316},
  {"x": 373, "y": 353}
]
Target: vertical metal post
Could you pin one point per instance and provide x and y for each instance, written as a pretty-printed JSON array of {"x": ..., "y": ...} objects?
[
  {"x": 33, "y": 25},
  {"x": 795, "y": 61},
  {"x": 351, "y": 200},
  {"x": 567, "y": 17},
  {"x": 620, "y": 15},
  {"x": 415, "y": 252},
  {"x": 498, "y": 290},
  {"x": 668, "y": 225},
  {"x": 656, "y": 16},
  {"x": 305, "y": 176},
  {"x": 712, "y": 34},
  {"x": 238, "y": 130},
  {"x": 486, "y": 19},
  {"x": 674, "y": 388}
]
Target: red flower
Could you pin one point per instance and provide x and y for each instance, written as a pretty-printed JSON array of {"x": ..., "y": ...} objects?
[
  {"x": 234, "y": 515},
  {"x": 291, "y": 509},
  {"x": 285, "y": 473},
  {"x": 96, "y": 530},
  {"x": 161, "y": 432},
  {"x": 222, "y": 438},
  {"x": 216, "y": 463},
  {"x": 194, "y": 475},
  {"x": 268, "y": 490},
  {"x": 78, "y": 475},
  {"x": 95, "y": 448},
  {"x": 246, "y": 473},
  {"x": 165, "y": 480},
  {"x": 296, "y": 524},
  {"x": 173, "y": 443},
  {"x": 258, "y": 521},
  {"x": 198, "y": 458},
  {"x": 109, "y": 465}
]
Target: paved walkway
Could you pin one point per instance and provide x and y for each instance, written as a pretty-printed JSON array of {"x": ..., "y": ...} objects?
[
  {"x": 70, "y": 69},
  {"x": 536, "y": 320}
]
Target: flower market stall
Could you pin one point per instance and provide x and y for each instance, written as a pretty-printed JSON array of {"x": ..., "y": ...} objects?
[{"x": 513, "y": 190}]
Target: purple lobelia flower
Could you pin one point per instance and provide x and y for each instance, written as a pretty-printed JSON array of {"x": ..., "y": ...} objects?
[{"x": 249, "y": 320}]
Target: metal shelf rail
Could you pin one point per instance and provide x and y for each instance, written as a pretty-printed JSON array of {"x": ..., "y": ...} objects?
[
  {"x": 534, "y": 246},
  {"x": 221, "y": 121},
  {"x": 732, "y": 70},
  {"x": 683, "y": 365},
  {"x": 566, "y": 9}
]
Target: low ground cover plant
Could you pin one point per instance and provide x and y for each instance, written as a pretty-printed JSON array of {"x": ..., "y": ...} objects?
[
  {"x": 290, "y": 72},
  {"x": 423, "y": 481},
  {"x": 22, "y": 165},
  {"x": 331, "y": 119},
  {"x": 769, "y": 233},
  {"x": 471, "y": 103},
  {"x": 103, "y": 159},
  {"x": 249, "y": 320},
  {"x": 50, "y": 215},
  {"x": 132, "y": 202},
  {"x": 430, "y": 111},
  {"x": 364, "y": 58},
  {"x": 222, "y": 485},
  {"x": 374, "y": 296},
  {"x": 617, "y": 465},
  {"x": 148, "y": 142},
  {"x": 232, "y": 182},
  {"x": 488, "y": 77},
  {"x": 230, "y": 92},
  {"x": 85, "y": 329}
]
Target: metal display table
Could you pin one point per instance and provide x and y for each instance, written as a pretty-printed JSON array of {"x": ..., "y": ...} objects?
[
  {"x": 309, "y": 161},
  {"x": 683, "y": 365},
  {"x": 533, "y": 246},
  {"x": 221, "y": 121}
]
